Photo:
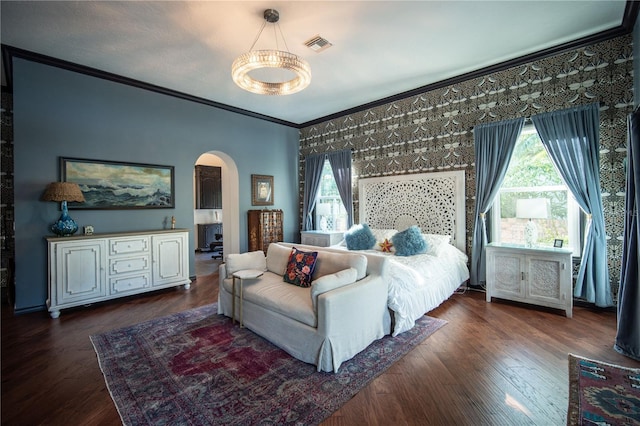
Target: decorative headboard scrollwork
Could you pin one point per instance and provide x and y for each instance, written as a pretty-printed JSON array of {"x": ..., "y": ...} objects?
[{"x": 433, "y": 201}]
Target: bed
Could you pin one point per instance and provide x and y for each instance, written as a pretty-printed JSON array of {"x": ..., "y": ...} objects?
[{"x": 435, "y": 202}]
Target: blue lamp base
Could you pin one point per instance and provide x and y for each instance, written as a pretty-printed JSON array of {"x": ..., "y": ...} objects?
[{"x": 65, "y": 226}]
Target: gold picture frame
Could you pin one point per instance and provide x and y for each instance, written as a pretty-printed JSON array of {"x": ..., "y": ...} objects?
[{"x": 261, "y": 190}]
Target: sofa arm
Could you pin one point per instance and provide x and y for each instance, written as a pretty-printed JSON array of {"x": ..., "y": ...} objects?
[
  {"x": 330, "y": 282},
  {"x": 238, "y": 261},
  {"x": 377, "y": 264},
  {"x": 347, "y": 309}
]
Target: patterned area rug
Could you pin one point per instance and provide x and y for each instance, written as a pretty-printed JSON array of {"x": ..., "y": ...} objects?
[
  {"x": 197, "y": 368},
  {"x": 602, "y": 394}
]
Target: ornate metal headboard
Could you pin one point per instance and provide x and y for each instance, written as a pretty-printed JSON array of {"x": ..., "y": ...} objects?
[{"x": 433, "y": 201}]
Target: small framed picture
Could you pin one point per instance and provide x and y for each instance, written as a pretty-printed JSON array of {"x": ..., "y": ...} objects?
[
  {"x": 261, "y": 190},
  {"x": 557, "y": 243},
  {"x": 88, "y": 230}
]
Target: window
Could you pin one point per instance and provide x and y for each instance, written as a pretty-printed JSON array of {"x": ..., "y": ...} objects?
[
  {"x": 330, "y": 214},
  {"x": 532, "y": 175}
]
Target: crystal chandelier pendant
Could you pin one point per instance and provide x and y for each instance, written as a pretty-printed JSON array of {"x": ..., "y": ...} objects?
[{"x": 247, "y": 65}]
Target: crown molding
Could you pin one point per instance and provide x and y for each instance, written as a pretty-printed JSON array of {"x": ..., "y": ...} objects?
[
  {"x": 627, "y": 25},
  {"x": 630, "y": 15},
  {"x": 10, "y": 52}
]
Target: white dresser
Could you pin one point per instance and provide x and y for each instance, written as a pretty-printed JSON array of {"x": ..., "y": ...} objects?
[
  {"x": 94, "y": 268},
  {"x": 321, "y": 238},
  {"x": 538, "y": 275}
]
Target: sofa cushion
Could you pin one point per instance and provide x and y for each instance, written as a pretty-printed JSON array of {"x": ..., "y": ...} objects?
[
  {"x": 277, "y": 258},
  {"x": 250, "y": 260},
  {"x": 330, "y": 282},
  {"x": 359, "y": 237},
  {"x": 409, "y": 242},
  {"x": 300, "y": 267},
  {"x": 329, "y": 263},
  {"x": 270, "y": 292}
]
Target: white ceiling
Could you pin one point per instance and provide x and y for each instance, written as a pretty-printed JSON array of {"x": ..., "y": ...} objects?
[{"x": 380, "y": 48}]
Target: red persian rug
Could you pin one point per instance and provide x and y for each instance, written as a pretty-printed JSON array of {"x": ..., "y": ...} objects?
[
  {"x": 602, "y": 394},
  {"x": 197, "y": 368}
]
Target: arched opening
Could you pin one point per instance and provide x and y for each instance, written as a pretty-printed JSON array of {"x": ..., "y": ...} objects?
[{"x": 228, "y": 215}]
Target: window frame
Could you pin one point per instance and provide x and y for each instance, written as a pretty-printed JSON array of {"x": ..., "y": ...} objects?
[
  {"x": 318, "y": 197},
  {"x": 574, "y": 212}
]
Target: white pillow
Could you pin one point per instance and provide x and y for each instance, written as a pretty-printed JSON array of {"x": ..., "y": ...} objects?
[
  {"x": 250, "y": 260},
  {"x": 277, "y": 258},
  {"x": 434, "y": 242},
  {"x": 330, "y": 282},
  {"x": 381, "y": 235}
]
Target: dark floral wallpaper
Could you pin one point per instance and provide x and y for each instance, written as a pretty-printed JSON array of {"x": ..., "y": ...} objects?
[
  {"x": 432, "y": 131},
  {"x": 6, "y": 203}
]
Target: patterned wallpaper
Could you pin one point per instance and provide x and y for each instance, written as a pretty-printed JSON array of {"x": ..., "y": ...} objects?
[
  {"x": 432, "y": 131},
  {"x": 6, "y": 194}
]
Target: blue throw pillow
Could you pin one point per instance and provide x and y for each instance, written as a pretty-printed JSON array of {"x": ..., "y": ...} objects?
[
  {"x": 359, "y": 237},
  {"x": 409, "y": 242}
]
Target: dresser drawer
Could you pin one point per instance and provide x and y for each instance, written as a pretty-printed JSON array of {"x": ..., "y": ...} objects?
[
  {"x": 135, "y": 244},
  {"x": 127, "y": 265},
  {"x": 134, "y": 283}
]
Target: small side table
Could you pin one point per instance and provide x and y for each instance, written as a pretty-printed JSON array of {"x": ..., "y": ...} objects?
[{"x": 245, "y": 274}]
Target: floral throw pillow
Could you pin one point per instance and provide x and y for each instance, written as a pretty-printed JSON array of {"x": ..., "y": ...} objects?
[{"x": 300, "y": 267}]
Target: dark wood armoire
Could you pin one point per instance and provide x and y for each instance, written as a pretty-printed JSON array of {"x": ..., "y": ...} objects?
[{"x": 265, "y": 227}]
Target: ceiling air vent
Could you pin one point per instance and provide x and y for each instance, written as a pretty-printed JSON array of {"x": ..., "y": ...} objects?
[{"x": 317, "y": 44}]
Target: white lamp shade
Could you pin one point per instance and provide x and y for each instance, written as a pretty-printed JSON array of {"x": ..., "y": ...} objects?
[{"x": 532, "y": 208}]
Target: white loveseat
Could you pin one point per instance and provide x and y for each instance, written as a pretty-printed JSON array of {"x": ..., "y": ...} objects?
[{"x": 342, "y": 313}]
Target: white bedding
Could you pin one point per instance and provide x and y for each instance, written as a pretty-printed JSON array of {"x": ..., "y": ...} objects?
[{"x": 420, "y": 283}]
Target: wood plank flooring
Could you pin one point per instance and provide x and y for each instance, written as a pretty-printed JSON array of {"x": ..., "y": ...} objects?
[{"x": 493, "y": 363}]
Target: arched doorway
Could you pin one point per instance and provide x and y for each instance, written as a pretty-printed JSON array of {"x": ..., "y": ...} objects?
[{"x": 229, "y": 214}]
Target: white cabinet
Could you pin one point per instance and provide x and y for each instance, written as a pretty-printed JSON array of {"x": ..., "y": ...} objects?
[
  {"x": 88, "y": 269},
  {"x": 170, "y": 258},
  {"x": 78, "y": 269},
  {"x": 538, "y": 275},
  {"x": 321, "y": 238}
]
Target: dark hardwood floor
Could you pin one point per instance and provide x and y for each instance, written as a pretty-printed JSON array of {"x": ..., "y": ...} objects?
[{"x": 492, "y": 364}]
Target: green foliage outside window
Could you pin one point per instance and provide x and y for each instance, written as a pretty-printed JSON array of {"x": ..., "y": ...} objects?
[{"x": 531, "y": 174}]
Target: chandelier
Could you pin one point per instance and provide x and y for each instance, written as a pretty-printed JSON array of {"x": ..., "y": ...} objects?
[{"x": 297, "y": 73}]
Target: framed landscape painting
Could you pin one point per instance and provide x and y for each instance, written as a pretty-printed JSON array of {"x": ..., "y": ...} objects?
[{"x": 119, "y": 185}]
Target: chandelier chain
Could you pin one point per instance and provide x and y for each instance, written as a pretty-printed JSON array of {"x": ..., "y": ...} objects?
[{"x": 264, "y": 24}]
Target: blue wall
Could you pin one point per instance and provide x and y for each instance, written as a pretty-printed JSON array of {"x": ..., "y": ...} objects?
[{"x": 58, "y": 113}]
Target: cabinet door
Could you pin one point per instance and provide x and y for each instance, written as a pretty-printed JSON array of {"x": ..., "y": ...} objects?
[
  {"x": 544, "y": 275},
  {"x": 255, "y": 229},
  {"x": 170, "y": 260},
  {"x": 507, "y": 272},
  {"x": 79, "y": 273}
]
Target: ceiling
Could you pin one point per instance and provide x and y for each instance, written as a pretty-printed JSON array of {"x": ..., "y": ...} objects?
[{"x": 380, "y": 48}]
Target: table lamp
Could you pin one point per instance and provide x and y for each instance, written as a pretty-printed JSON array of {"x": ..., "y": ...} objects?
[
  {"x": 63, "y": 192},
  {"x": 532, "y": 208}
]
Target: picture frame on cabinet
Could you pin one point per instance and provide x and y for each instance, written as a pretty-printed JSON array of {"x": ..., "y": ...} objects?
[
  {"x": 117, "y": 185},
  {"x": 261, "y": 190},
  {"x": 557, "y": 243}
]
